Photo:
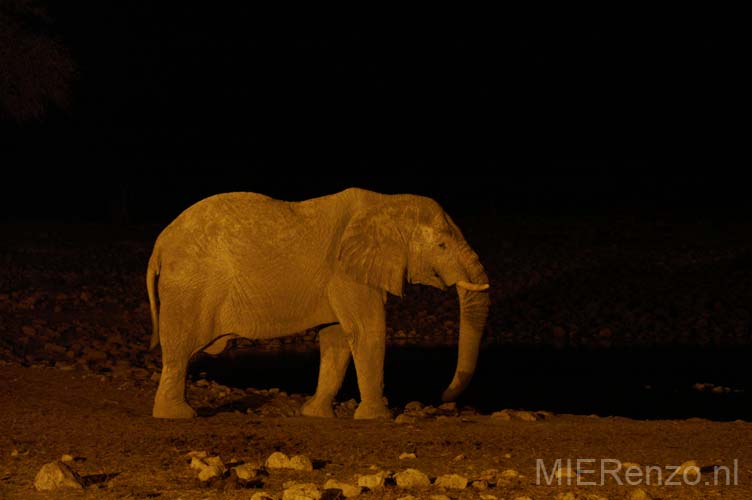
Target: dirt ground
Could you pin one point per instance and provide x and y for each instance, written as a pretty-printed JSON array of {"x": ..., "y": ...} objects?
[
  {"x": 104, "y": 422},
  {"x": 76, "y": 377}
]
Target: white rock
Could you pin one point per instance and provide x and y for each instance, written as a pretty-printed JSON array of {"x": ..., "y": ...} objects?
[
  {"x": 56, "y": 475},
  {"x": 480, "y": 485},
  {"x": 262, "y": 495},
  {"x": 688, "y": 468},
  {"x": 246, "y": 471},
  {"x": 502, "y": 415},
  {"x": 565, "y": 496},
  {"x": 372, "y": 481},
  {"x": 450, "y": 406},
  {"x": 639, "y": 494},
  {"x": 278, "y": 460},
  {"x": 510, "y": 474},
  {"x": 198, "y": 464},
  {"x": 404, "y": 419},
  {"x": 209, "y": 472},
  {"x": 216, "y": 462},
  {"x": 411, "y": 478},
  {"x": 301, "y": 462},
  {"x": 414, "y": 406},
  {"x": 302, "y": 491},
  {"x": 348, "y": 490},
  {"x": 453, "y": 481},
  {"x": 406, "y": 456}
]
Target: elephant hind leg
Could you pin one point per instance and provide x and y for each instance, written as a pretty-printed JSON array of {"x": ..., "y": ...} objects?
[
  {"x": 335, "y": 356},
  {"x": 170, "y": 399}
]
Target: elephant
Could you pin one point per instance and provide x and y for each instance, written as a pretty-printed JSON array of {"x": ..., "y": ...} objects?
[{"x": 245, "y": 264}]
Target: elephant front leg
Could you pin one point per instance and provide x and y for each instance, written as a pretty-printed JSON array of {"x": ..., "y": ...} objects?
[
  {"x": 368, "y": 350},
  {"x": 170, "y": 399},
  {"x": 335, "y": 356}
]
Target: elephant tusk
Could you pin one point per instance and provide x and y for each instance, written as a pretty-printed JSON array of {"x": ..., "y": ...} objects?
[{"x": 472, "y": 286}]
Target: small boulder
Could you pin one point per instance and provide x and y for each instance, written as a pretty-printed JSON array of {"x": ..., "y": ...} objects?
[
  {"x": 278, "y": 460},
  {"x": 480, "y": 485},
  {"x": 407, "y": 456},
  {"x": 56, "y": 475},
  {"x": 372, "y": 481},
  {"x": 348, "y": 490},
  {"x": 302, "y": 491},
  {"x": 639, "y": 494},
  {"x": 301, "y": 462},
  {"x": 411, "y": 478},
  {"x": 404, "y": 419},
  {"x": 246, "y": 471},
  {"x": 414, "y": 406},
  {"x": 262, "y": 495},
  {"x": 451, "y": 481}
]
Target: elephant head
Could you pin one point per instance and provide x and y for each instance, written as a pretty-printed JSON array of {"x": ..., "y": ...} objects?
[{"x": 390, "y": 239}]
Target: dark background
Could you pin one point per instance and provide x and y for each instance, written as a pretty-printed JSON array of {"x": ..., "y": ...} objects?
[{"x": 130, "y": 113}]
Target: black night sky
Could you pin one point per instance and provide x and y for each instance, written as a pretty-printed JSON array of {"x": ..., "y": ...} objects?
[{"x": 134, "y": 112}]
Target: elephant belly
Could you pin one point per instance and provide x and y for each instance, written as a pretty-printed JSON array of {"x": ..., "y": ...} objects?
[{"x": 270, "y": 317}]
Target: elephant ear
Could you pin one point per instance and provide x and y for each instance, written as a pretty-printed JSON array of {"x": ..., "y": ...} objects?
[{"x": 373, "y": 251}]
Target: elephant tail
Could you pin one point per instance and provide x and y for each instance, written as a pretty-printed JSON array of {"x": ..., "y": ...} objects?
[{"x": 152, "y": 276}]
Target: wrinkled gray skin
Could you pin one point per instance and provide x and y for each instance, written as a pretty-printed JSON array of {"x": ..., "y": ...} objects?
[{"x": 251, "y": 266}]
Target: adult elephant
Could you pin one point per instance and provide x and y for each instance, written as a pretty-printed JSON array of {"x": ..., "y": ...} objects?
[{"x": 252, "y": 266}]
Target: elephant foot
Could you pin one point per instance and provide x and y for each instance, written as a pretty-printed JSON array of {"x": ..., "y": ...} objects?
[
  {"x": 173, "y": 410},
  {"x": 317, "y": 408},
  {"x": 371, "y": 410}
]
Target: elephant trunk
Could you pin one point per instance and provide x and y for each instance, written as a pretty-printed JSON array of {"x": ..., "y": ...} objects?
[{"x": 474, "y": 303}]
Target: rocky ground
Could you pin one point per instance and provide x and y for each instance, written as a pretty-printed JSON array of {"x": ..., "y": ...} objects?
[{"x": 77, "y": 378}]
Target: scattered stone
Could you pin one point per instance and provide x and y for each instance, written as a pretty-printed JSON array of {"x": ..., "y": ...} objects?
[
  {"x": 302, "y": 491},
  {"x": 407, "y": 456},
  {"x": 348, "y": 490},
  {"x": 411, "y": 478},
  {"x": 404, "y": 419},
  {"x": 459, "y": 457},
  {"x": 278, "y": 460},
  {"x": 510, "y": 474},
  {"x": 56, "y": 475},
  {"x": 689, "y": 468},
  {"x": 372, "y": 481},
  {"x": 197, "y": 463},
  {"x": 639, "y": 494},
  {"x": 414, "y": 406},
  {"x": 262, "y": 495},
  {"x": 67, "y": 458},
  {"x": 565, "y": 496},
  {"x": 451, "y": 481},
  {"x": 479, "y": 485},
  {"x": 489, "y": 475},
  {"x": 246, "y": 471},
  {"x": 300, "y": 462},
  {"x": 449, "y": 407},
  {"x": 502, "y": 415},
  {"x": 525, "y": 416}
]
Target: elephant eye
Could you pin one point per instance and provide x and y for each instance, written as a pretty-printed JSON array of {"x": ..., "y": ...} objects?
[{"x": 442, "y": 245}]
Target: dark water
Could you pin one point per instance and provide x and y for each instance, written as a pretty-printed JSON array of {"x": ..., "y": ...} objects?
[{"x": 656, "y": 384}]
